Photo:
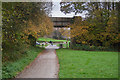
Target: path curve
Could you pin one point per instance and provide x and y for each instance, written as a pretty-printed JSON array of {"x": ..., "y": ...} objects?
[{"x": 45, "y": 66}]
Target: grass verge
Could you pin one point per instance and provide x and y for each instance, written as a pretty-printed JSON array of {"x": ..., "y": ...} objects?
[
  {"x": 50, "y": 39},
  {"x": 11, "y": 69},
  {"x": 87, "y": 64}
]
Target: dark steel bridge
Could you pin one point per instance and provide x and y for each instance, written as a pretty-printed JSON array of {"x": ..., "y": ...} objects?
[{"x": 61, "y": 21}]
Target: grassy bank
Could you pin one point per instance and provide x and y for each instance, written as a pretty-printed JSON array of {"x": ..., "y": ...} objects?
[
  {"x": 87, "y": 64},
  {"x": 11, "y": 69},
  {"x": 50, "y": 39}
]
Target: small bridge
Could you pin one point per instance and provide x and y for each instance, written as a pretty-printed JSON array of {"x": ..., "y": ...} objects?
[{"x": 61, "y": 21}]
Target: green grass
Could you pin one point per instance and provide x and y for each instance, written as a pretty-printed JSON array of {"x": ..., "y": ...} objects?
[
  {"x": 50, "y": 39},
  {"x": 87, "y": 64},
  {"x": 64, "y": 45},
  {"x": 11, "y": 69}
]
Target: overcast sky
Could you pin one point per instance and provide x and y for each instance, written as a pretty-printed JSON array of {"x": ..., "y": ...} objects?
[{"x": 57, "y": 13}]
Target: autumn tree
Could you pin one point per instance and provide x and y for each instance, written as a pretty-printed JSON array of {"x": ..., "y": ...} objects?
[
  {"x": 79, "y": 31},
  {"x": 65, "y": 32},
  {"x": 21, "y": 20},
  {"x": 101, "y": 23}
]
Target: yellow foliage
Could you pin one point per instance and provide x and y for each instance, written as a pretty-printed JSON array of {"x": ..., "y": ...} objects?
[{"x": 44, "y": 27}]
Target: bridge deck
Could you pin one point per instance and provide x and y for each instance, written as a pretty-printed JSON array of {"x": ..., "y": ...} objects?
[{"x": 61, "y": 21}]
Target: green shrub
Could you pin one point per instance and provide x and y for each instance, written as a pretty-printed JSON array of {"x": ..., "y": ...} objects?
[{"x": 92, "y": 48}]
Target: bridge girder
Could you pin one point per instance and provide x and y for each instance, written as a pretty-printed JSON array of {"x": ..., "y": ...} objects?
[{"x": 61, "y": 21}]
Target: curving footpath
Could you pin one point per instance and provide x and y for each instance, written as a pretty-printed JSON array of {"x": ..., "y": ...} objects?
[{"x": 44, "y": 66}]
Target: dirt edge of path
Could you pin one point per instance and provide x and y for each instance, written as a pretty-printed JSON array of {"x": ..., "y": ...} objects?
[
  {"x": 29, "y": 64},
  {"x": 57, "y": 64}
]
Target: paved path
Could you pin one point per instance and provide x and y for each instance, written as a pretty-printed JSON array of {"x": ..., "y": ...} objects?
[
  {"x": 52, "y": 47},
  {"x": 45, "y": 66}
]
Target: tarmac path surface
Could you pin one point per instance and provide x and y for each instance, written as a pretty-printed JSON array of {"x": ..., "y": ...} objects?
[
  {"x": 52, "y": 47},
  {"x": 44, "y": 66}
]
